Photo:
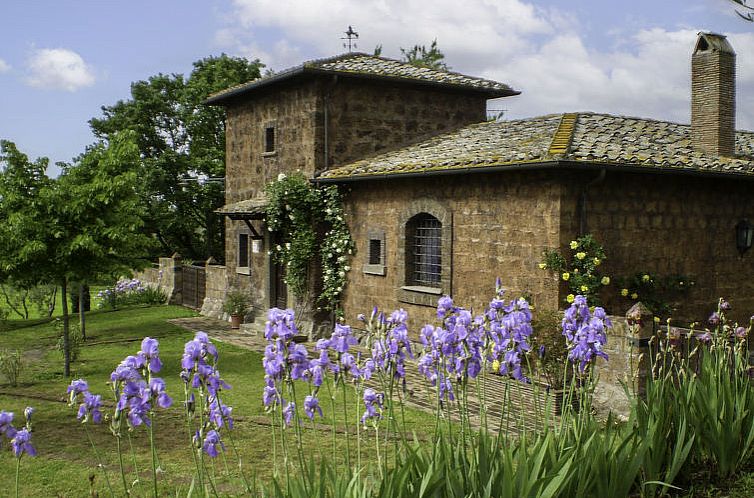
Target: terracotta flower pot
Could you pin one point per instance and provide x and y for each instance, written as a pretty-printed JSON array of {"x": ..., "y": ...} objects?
[{"x": 236, "y": 321}]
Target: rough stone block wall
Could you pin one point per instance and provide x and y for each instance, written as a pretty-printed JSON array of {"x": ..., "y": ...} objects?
[
  {"x": 215, "y": 291},
  {"x": 363, "y": 117},
  {"x": 166, "y": 276},
  {"x": 368, "y": 117},
  {"x": 292, "y": 110},
  {"x": 670, "y": 224},
  {"x": 501, "y": 223}
]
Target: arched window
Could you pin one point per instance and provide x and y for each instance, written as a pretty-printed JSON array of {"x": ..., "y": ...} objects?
[{"x": 424, "y": 251}]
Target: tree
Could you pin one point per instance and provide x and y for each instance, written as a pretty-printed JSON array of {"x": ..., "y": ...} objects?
[
  {"x": 86, "y": 222},
  {"x": 748, "y": 14},
  {"x": 96, "y": 199},
  {"x": 419, "y": 56},
  {"x": 181, "y": 143}
]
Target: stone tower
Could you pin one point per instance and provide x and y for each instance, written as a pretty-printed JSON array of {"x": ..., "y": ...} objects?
[{"x": 713, "y": 95}]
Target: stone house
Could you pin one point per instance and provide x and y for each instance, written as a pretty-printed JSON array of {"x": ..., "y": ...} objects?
[{"x": 441, "y": 201}]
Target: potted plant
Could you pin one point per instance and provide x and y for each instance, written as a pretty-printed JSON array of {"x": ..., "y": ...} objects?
[{"x": 236, "y": 304}]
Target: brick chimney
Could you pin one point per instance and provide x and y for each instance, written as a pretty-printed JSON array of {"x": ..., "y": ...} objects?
[{"x": 713, "y": 95}]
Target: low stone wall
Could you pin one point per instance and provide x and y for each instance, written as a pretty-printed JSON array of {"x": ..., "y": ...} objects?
[
  {"x": 166, "y": 276},
  {"x": 216, "y": 289}
]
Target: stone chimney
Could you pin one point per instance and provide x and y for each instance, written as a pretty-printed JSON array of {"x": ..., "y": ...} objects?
[{"x": 713, "y": 95}]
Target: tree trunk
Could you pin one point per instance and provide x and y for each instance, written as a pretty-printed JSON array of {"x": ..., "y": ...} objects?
[
  {"x": 82, "y": 312},
  {"x": 66, "y": 328},
  {"x": 51, "y": 307}
]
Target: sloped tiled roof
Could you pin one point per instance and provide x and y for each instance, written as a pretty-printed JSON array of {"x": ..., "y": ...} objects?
[
  {"x": 587, "y": 138},
  {"x": 247, "y": 207},
  {"x": 369, "y": 66}
]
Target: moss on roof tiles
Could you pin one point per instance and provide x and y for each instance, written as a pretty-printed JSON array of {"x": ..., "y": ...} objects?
[
  {"x": 580, "y": 137},
  {"x": 369, "y": 66}
]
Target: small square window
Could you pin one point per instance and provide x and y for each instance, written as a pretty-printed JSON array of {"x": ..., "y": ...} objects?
[
  {"x": 269, "y": 139},
  {"x": 375, "y": 264}
]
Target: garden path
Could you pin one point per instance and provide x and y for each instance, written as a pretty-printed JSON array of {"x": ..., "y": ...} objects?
[{"x": 529, "y": 406}]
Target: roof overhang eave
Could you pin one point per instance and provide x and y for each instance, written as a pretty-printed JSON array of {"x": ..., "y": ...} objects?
[
  {"x": 223, "y": 97},
  {"x": 543, "y": 165}
]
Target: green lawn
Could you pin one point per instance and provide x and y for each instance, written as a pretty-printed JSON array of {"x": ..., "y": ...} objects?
[{"x": 65, "y": 459}]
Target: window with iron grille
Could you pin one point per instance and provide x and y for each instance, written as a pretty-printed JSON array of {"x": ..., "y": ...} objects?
[{"x": 424, "y": 251}]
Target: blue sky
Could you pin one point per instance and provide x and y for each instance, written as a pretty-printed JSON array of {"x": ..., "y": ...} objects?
[{"x": 61, "y": 60}]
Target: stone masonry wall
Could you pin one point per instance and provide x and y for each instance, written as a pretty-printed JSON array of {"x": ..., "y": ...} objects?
[
  {"x": 500, "y": 225},
  {"x": 166, "y": 276},
  {"x": 292, "y": 110},
  {"x": 216, "y": 288},
  {"x": 364, "y": 117},
  {"x": 670, "y": 224},
  {"x": 368, "y": 117}
]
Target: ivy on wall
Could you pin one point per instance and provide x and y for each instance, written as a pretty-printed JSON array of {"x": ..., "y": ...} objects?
[{"x": 309, "y": 224}]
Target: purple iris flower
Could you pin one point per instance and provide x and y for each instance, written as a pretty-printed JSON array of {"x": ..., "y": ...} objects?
[
  {"x": 373, "y": 405},
  {"x": 6, "y": 424},
  {"x": 21, "y": 443},
  {"x": 288, "y": 412},
  {"x": 318, "y": 367},
  {"x": 157, "y": 390},
  {"x": 150, "y": 351},
  {"x": 444, "y": 306},
  {"x": 714, "y": 319},
  {"x": 220, "y": 413},
  {"x": 342, "y": 338},
  {"x": 90, "y": 408},
  {"x": 212, "y": 442},
  {"x": 705, "y": 337},
  {"x": 78, "y": 386},
  {"x": 280, "y": 324},
  {"x": 271, "y": 395},
  {"x": 740, "y": 332},
  {"x": 124, "y": 373},
  {"x": 192, "y": 354},
  {"x": 311, "y": 406},
  {"x": 586, "y": 332}
]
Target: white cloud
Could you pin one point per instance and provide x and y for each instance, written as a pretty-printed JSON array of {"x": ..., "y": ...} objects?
[
  {"x": 4, "y": 66},
  {"x": 545, "y": 53},
  {"x": 58, "y": 68}
]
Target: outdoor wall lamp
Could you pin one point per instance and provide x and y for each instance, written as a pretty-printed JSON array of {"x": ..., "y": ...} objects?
[{"x": 744, "y": 236}]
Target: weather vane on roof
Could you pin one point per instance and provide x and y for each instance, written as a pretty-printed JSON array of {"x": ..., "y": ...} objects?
[{"x": 351, "y": 36}]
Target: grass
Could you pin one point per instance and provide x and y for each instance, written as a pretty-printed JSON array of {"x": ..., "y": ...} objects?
[{"x": 65, "y": 459}]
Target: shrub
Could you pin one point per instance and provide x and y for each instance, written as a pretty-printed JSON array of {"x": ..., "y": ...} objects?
[
  {"x": 580, "y": 271},
  {"x": 75, "y": 338},
  {"x": 550, "y": 347},
  {"x": 236, "y": 302},
  {"x": 129, "y": 292},
  {"x": 660, "y": 294},
  {"x": 11, "y": 365}
]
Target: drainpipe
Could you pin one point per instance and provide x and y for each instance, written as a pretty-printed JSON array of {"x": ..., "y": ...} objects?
[{"x": 583, "y": 198}]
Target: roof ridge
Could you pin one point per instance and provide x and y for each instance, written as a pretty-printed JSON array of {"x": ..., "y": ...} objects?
[{"x": 561, "y": 139}]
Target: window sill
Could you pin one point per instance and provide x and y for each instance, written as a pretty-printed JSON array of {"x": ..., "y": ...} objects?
[
  {"x": 243, "y": 270},
  {"x": 269, "y": 154},
  {"x": 419, "y": 295},
  {"x": 374, "y": 270}
]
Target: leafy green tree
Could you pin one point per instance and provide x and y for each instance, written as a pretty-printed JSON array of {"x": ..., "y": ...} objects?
[
  {"x": 181, "y": 143},
  {"x": 748, "y": 13},
  {"x": 419, "y": 56},
  {"x": 86, "y": 222}
]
